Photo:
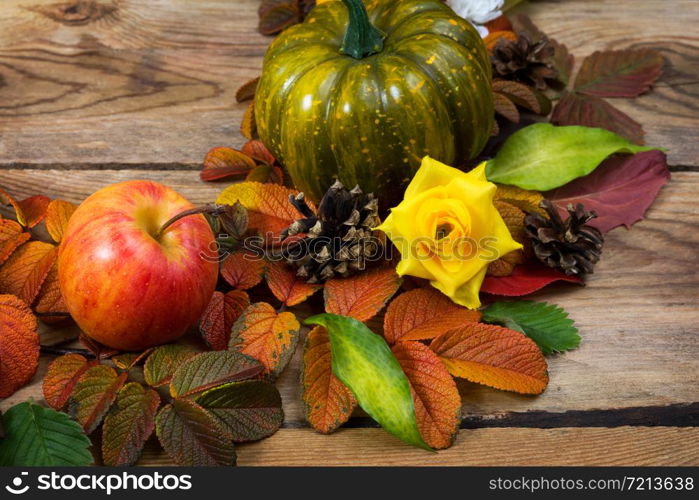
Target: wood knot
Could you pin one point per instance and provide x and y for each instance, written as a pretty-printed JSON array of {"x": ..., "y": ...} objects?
[{"x": 76, "y": 12}]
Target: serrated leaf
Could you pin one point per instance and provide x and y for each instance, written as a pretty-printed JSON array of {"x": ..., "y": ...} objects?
[
  {"x": 19, "y": 345},
  {"x": 619, "y": 191},
  {"x": 58, "y": 214},
  {"x": 286, "y": 285},
  {"x": 422, "y": 314},
  {"x": 26, "y": 269},
  {"x": 129, "y": 425},
  {"x": 542, "y": 156},
  {"x": 266, "y": 174},
  {"x": 563, "y": 61},
  {"x": 268, "y": 337},
  {"x": 41, "y": 437},
  {"x": 219, "y": 317},
  {"x": 328, "y": 402},
  {"x": 12, "y": 235},
  {"x": 525, "y": 279},
  {"x": 29, "y": 212},
  {"x": 210, "y": 369},
  {"x": 242, "y": 270},
  {"x": 127, "y": 360},
  {"x": 437, "y": 400},
  {"x": 62, "y": 375},
  {"x": 94, "y": 394},
  {"x": 250, "y": 410},
  {"x": 493, "y": 356},
  {"x": 591, "y": 111},
  {"x": 619, "y": 73},
  {"x": 192, "y": 436},
  {"x": 221, "y": 163},
  {"x": 546, "y": 324},
  {"x": 361, "y": 296},
  {"x": 162, "y": 363},
  {"x": 247, "y": 90},
  {"x": 256, "y": 150},
  {"x": 100, "y": 351},
  {"x": 50, "y": 300}
]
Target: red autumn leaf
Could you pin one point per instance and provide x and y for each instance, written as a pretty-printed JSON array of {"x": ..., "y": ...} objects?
[
  {"x": 267, "y": 336},
  {"x": 12, "y": 235},
  {"x": 94, "y": 394},
  {"x": 58, "y": 214},
  {"x": 266, "y": 174},
  {"x": 620, "y": 190},
  {"x": 62, "y": 375},
  {"x": 26, "y": 270},
  {"x": 563, "y": 61},
  {"x": 361, "y": 296},
  {"x": 221, "y": 163},
  {"x": 591, "y": 111},
  {"x": 212, "y": 369},
  {"x": 19, "y": 345},
  {"x": 519, "y": 94},
  {"x": 100, "y": 351},
  {"x": 242, "y": 270},
  {"x": 328, "y": 402},
  {"x": 423, "y": 313},
  {"x": 247, "y": 90},
  {"x": 493, "y": 356},
  {"x": 256, "y": 150},
  {"x": 29, "y": 212},
  {"x": 50, "y": 301},
  {"x": 525, "y": 279},
  {"x": 437, "y": 400},
  {"x": 220, "y": 315},
  {"x": 500, "y": 23},
  {"x": 619, "y": 73},
  {"x": 286, "y": 286}
]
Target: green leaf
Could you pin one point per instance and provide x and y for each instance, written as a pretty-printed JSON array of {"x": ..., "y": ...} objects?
[
  {"x": 251, "y": 410},
  {"x": 94, "y": 394},
  {"x": 162, "y": 363},
  {"x": 363, "y": 362},
  {"x": 542, "y": 156},
  {"x": 38, "y": 436},
  {"x": 546, "y": 324},
  {"x": 209, "y": 369}
]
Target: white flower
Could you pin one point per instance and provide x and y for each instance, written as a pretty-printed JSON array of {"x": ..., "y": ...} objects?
[{"x": 478, "y": 12}]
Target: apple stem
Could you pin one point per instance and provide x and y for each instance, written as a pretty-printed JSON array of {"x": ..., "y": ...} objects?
[{"x": 209, "y": 209}]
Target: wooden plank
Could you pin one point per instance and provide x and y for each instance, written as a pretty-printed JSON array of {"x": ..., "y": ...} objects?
[
  {"x": 623, "y": 446},
  {"x": 152, "y": 82},
  {"x": 637, "y": 316}
]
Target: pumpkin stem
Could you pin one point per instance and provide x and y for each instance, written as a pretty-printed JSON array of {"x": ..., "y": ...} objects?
[{"x": 362, "y": 38}]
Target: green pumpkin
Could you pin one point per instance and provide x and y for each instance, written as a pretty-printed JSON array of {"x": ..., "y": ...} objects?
[{"x": 363, "y": 94}]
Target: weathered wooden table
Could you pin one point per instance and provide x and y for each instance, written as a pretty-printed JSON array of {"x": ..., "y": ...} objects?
[{"x": 143, "y": 88}]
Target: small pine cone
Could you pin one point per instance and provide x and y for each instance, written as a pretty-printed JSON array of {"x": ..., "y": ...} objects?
[
  {"x": 571, "y": 246},
  {"x": 338, "y": 240},
  {"x": 524, "y": 60}
]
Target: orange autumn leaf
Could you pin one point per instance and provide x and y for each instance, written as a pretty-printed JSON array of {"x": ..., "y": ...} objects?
[
  {"x": 286, "y": 286},
  {"x": 19, "y": 345},
  {"x": 62, "y": 375},
  {"x": 361, "y": 296},
  {"x": 49, "y": 300},
  {"x": 58, "y": 214},
  {"x": 256, "y": 150},
  {"x": 248, "y": 127},
  {"x": 26, "y": 269},
  {"x": 12, "y": 235},
  {"x": 242, "y": 270},
  {"x": 328, "y": 402},
  {"x": 268, "y": 337},
  {"x": 29, "y": 212},
  {"x": 494, "y": 37},
  {"x": 223, "y": 162},
  {"x": 424, "y": 313},
  {"x": 222, "y": 312},
  {"x": 436, "y": 397},
  {"x": 493, "y": 356}
]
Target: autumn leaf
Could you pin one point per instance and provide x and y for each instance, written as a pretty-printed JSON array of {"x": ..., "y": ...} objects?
[
  {"x": 26, "y": 269},
  {"x": 506, "y": 264},
  {"x": 12, "y": 235},
  {"x": 267, "y": 336},
  {"x": 495, "y": 36},
  {"x": 493, "y": 356},
  {"x": 514, "y": 220},
  {"x": 100, "y": 351},
  {"x": 250, "y": 410},
  {"x": 563, "y": 61},
  {"x": 162, "y": 363},
  {"x": 328, "y": 402},
  {"x": 127, "y": 360},
  {"x": 527, "y": 201},
  {"x": 247, "y": 90},
  {"x": 19, "y": 345},
  {"x": 58, "y": 214},
  {"x": 256, "y": 150},
  {"x": 361, "y": 296},
  {"x": 192, "y": 436},
  {"x": 248, "y": 126},
  {"x": 29, "y": 212},
  {"x": 222, "y": 162},
  {"x": 94, "y": 394},
  {"x": 505, "y": 107},
  {"x": 129, "y": 425},
  {"x": 437, "y": 400},
  {"x": 286, "y": 285},
  {"x": 62, "y": 375},
  {"x": 275, "y": 16},
  {"x": 266, "y": 174},
  {"x": 242, "y": 270},
  {"x": 521, "y": 95},
  {"x": 525, "y": 279},
  {"x": 619, "y": 73},
  {"x": 423, "y": 313},
  {"x": 620, "y": 190},
  {"x": 49, "y": 300},
  {"x": 210, "y": 369},
  {"x": 220, "y": 315}
]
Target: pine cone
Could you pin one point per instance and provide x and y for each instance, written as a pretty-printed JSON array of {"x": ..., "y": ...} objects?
[
  {"x": 571, "y": 246},
  {"x": 338, "y": 240},
  {"x": 524, "y": 60}
]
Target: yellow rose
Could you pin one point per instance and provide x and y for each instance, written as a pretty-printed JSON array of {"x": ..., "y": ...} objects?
[{"x": 448, "y": 230}]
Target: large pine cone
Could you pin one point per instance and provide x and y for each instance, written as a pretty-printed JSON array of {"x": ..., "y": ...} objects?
[{"x": 524, "y": 60}]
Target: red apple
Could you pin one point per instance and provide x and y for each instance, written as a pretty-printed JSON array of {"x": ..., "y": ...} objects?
[{"x": 125, "y": 288}]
